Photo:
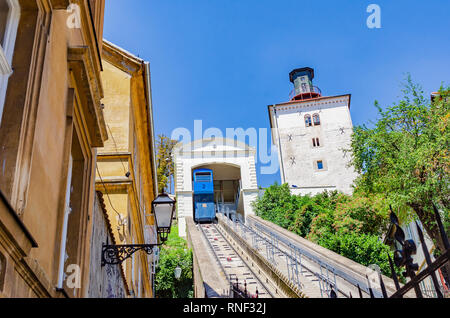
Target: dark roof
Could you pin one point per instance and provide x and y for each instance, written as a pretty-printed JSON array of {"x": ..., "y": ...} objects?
[{"x": 303, "y": 69}]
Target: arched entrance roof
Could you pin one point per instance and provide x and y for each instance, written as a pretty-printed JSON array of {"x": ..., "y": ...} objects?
[
  {"x": 216, "y": 145},
  {"x": 222, "y": 171}
]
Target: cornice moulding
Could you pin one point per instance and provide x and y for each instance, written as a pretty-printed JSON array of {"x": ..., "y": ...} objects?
[{"x": 80, "y": 62}]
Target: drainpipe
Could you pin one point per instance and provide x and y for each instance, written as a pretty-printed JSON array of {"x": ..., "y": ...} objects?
[
  {"x": 152, "y": 131},
  {"x": 152, "y": 138}
]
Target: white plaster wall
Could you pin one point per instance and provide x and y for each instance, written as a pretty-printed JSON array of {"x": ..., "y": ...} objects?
[
  {"x": 311, "y": 191},
  {"x": 335, "y": 136},
  {"x": 249, "y": 198}
]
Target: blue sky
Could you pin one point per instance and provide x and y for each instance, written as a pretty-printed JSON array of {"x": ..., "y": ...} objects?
[{"x": 224, "y": 61}]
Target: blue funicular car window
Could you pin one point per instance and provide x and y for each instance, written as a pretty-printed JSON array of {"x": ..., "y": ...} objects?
[{"x": 203, "y": 177}]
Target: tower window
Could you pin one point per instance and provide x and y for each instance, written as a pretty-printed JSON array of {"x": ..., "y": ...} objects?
[
  {"x": 320, "y": 165},
  {"x": 316, "y": 119},
  {"x": 308, "y": 121},
  {"x": 304, "y": 88}
]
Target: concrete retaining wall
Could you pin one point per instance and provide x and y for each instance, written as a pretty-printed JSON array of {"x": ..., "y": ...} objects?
[{"x": 209, "y": 280}]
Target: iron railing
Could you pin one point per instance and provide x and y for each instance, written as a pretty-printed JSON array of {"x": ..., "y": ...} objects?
[
  {"x": 403, "y": 259},
  {"x": 240, "y": 291},
  {"x": 315, "y": 91}
]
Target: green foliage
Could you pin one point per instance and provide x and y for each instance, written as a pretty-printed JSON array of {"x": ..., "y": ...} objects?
[
  {"x": 348, "y": 225},
  {"x": 295, "y": 213},
  {"x": 274, "y": 204},
  {"x": 165, "y": 166},
  {"x": 364, "y": 249},
  {"x": 175, "y": 253},
  {"x": 405, "y": 155},
  {"x": 362, "y": 213}
]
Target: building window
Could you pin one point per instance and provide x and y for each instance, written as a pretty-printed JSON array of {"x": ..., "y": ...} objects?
[
  {"x": 316, "y": 142},
  {"x": 2, "y": 271},
  {"x": 9, "y": 21},
  {"x": 73, "y": 217},
  {"x": 316, "y": 119},
  {"x": 308, "y": 121}
]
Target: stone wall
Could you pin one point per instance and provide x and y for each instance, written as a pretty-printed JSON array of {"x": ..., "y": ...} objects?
[{"x": 107, "y": 281}]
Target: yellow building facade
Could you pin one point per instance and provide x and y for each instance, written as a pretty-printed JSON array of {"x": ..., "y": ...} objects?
[
  {"x": 126, "y": 173},
  {"x": 51, "y": 124},
  {"x": 77, "y": 166}
]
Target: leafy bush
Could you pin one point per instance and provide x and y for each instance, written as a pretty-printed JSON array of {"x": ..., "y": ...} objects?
[
  {"x": 363, "y": 213},
  {"x": 175, "y": 253},
  {"x": 276, "y": 205},
  {"x": 364, "y": 249}
]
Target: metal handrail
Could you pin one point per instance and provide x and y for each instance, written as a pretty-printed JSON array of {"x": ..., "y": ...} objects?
[
  {"x": 355, "y": 282},
  {"x": 315, "y": 90},
  {"x": 319, "y": 276}
]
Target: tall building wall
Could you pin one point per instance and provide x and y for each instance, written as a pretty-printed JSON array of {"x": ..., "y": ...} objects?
[
  {"x": 104, "y": 281},
  {"x": 51, "y": 125},
  {"x": 125, "y": 173}
]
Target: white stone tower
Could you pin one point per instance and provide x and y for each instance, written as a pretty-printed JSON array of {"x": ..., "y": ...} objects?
[{"x": 312, "y": 134}]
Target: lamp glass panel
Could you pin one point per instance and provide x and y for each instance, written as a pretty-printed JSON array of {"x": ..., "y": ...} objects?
[
  {"x": 163, "y": 214},
  {"x": 178, "y": 272}
]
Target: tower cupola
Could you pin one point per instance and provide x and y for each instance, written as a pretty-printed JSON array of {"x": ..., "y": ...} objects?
[{"x": 303, "y": 86}]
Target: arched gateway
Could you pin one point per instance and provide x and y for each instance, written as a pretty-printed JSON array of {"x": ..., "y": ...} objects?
[{"x": 234, "y": 174}]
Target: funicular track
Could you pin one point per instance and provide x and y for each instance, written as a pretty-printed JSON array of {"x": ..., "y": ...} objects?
[
  {"x": 302, "y": 266},
  {"x": 234, "y": 267}
]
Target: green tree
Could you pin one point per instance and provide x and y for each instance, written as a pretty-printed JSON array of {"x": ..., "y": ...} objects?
[
  {"x": 165, "y": 165},
  {"x": 405, "y": 156}
]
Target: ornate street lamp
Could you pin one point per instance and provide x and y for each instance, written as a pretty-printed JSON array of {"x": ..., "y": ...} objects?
[{"x": 163, "y": 208}]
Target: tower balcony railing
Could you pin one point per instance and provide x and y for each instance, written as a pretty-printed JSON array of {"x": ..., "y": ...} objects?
[{"x": 314, "y": 93}]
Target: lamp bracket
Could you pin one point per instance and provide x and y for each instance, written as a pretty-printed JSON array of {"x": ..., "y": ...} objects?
[{"x": 117, "y": 254}]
